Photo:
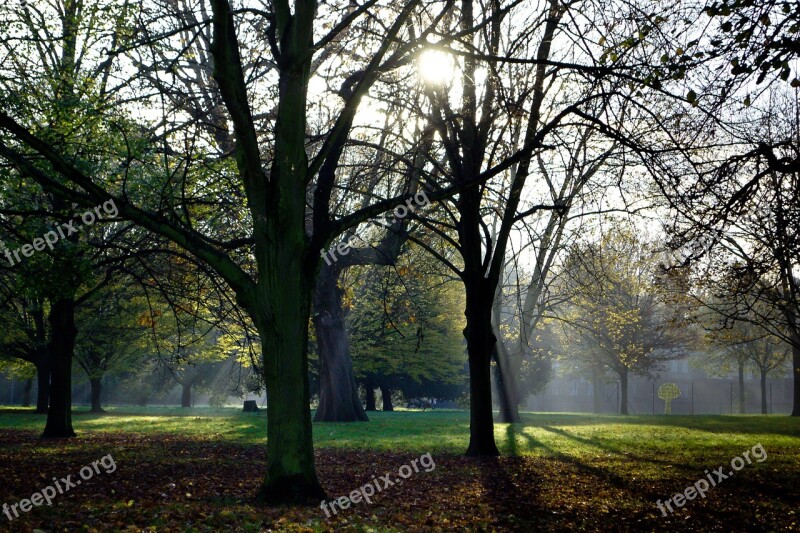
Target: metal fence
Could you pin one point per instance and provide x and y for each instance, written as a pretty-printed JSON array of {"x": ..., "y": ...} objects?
[{"x": 698, "y": 396}]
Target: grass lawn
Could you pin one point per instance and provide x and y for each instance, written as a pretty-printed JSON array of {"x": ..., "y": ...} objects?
[{"x": 197, "y": 469}]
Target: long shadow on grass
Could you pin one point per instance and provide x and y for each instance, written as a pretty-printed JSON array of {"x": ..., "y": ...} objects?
[
  {"x": 498, "y": 482},
  {"x": 594, "y": 442},
  {"x": 689, "y": 473},
  {"x": 604, "y": 474},
  {"x": 751, "y": 424},
  {"x": 512, "y": 434},
  {"x": 748, "y": 425}
]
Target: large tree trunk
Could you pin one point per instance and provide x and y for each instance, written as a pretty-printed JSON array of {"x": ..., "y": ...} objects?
[
  {"x": 287, "y": 265},
  {"x": 741, "y": 389},
  {"x": 26, "y": 393},
  {"x": 186, "y": 394},
  {"x": 623, "y": 386},
  {"x": 62, "y": 345},
  {"x": 763, "y": 392},
  {"x": 339, "y": 400},
  {"x": 478, "y": 331},
  {"x": 386, "y": 396},
  {"x": 42, "y": 385},
  {"x": 338, "y": 391},
  {"x": 97, "y": 386},
  {"x": 369, "y": 387},
  {"x": 291, "y": 474},
  {"x": 480, "y": 343},
  {"x": 62, "y": 307}
]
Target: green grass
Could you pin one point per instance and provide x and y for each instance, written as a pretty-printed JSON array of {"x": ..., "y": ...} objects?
[
  {"x": 647, "y": 441},
  {"x": 583, "y": 469}
]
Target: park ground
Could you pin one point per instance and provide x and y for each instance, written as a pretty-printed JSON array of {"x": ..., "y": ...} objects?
[{"x": 198, "y": 470}]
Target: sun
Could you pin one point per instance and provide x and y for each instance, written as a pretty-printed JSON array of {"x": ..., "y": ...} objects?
[{"x": 435, "y": 67}]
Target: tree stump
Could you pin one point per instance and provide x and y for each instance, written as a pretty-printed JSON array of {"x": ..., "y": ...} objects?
[{"x": 250, "y": 406}]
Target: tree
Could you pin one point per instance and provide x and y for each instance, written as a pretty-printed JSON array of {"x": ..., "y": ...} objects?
[
  {"x": 521, "y": 80},
  {"x": 404, "y": 330},
  {"x": 746, "y": 345},
  {"x": 272, "y": 268},
  {"x": 25, "y": 334},
  {"x": 769, "y": 355},
  {"x": 570, "y": 172},
  {"x": 739, "y": 219},
  {"x": 731, "y": 350},
  {"x": 339, "y": 400},
  {"x": 110, "y": 336},
  {"x": 624, "y": 314},
  {"x": 61, "y": 80}
]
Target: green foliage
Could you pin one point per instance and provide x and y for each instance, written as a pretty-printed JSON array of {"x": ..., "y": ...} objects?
[
  {"x": 624, "y": 313},
  {"x": 111, "y": 336},
  {"x": 191, "y": 346},
  {"x": 405, "y": 326},
  {"x": 17, "y": 369}
]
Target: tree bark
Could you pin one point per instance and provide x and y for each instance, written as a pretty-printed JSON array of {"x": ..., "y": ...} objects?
[
  {"x": 186, "y": 394},
  {"x": 763, "y": 392},
  {"x": 62, "y": 309},
  {"x": 287, "y": 258},
  {"x": 338, "y": 392},
  {"x": 478, "y": 331},
  {"x": 97, "y": 386},
  {"x": 369, "y": 388},
  {"x": 287, "y": 266},
  {"x": 741, "y": 389},
  {"x": 62, "y": 345},
  {"x": 291, "y": 473},
  {"x": 26, "y": 393},
  {"x": 480, "y": 343},
  {"x": 386, "y": 395},
  {"x": 623, "y": 386}
]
